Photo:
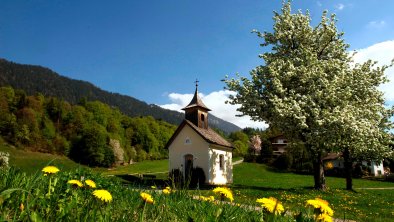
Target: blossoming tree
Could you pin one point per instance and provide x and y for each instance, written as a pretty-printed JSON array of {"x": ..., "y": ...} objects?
[
  {"x": 255, "y": 144},
  {"x": 309, "y": 88}
]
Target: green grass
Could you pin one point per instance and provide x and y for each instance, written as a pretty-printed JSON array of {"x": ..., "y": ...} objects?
[
  {"x": 145, "y": 167},
  {"x": 252, "y": 181},
  {"x": 51, "y": 198},
  {"x": 31, "y": 162},
  {"x": 237, "y": 158}
]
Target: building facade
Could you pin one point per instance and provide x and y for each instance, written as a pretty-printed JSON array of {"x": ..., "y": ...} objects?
[{"x": 194, "y": 145}]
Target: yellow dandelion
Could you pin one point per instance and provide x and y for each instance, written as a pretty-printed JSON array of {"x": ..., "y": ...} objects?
[
  {"x": 75, "y": 182},
  {"x": 21, "y": 207},
  {"x": 210, "y": 198},
  {"x": 147, "y": 198},
  {"x": 50, "y": 170},
  {"x": 90, "y": 183},
  {"x": 103, "y": 195},
  {"x": 224, "y": 192},
  {"x": 271, "y": 204},
  {"x": 323, "y": 218},
  {"x": 203, "y": 198},
  {"x": 321, "y": 205},
  {"x": 166, "y": 191}
]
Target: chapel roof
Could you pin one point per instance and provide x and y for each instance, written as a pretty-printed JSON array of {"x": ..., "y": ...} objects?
[
  {"x": 208, "y": 135},
  {"x": 196, "y": 102}
]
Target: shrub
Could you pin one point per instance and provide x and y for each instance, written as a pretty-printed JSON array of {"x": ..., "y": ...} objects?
[
  {"x": 283, "y": 162},
  {"x": 4, "y": 157},
  {"x": 198, "y": 177}
]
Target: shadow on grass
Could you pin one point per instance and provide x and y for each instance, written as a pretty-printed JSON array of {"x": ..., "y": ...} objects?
[
  {"x": 147, "y": 181},
  {"x": 298, "y": 172},
  {"x": 258, "y": 188},
  {"x": 142, "y": 181}
]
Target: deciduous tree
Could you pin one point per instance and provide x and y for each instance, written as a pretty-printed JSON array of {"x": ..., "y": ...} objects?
[{"x": 309, "y": 88}]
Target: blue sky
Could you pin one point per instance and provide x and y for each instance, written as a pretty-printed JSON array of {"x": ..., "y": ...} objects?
[{"x": 154, "y": 50}]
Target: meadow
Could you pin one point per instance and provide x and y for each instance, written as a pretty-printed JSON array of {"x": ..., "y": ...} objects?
[{"x": 251, "y": 181}]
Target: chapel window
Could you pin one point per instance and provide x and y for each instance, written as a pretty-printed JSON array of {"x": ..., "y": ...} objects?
[{"x": 221, "y": 161}]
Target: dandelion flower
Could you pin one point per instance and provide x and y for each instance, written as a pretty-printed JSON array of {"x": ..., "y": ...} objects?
[
  {"x": 202, "y": 198},
  {"x": 76, "y": 183},
  {"x": 90, "y": 183},
  {"x": 323, "y": 218},
  {"x": 271, "y": 204},
  {"x": 223, "y": 191},
  {"x": 147, "y": 198},
  {"x": 50, "y": 169},
  {"x": 167, "y": 190},
  {"x": 321, "y": 205},
  {"x": 103, "y": 195},
  {"x": 210, "y": 198}
]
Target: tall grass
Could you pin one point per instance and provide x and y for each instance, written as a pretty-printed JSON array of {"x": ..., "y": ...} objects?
[{"x": 50, "y": 198}]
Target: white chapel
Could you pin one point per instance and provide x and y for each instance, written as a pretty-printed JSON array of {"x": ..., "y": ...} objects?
[{"x": 194, "y": 144}]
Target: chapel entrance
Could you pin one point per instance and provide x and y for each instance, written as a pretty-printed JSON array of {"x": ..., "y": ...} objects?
[{"x": 188, "y": 166}]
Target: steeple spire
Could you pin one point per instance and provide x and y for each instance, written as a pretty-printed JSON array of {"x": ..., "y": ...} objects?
[
  {"x": 196, "y": 101},
  {"x": 196, "y": 112}
]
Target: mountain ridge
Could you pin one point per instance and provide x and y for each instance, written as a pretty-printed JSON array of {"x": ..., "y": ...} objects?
[{"x": 38, "y": 79}]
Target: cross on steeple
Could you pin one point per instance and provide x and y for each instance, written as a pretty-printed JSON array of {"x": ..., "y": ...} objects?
[{"x": 197, "y": 83}]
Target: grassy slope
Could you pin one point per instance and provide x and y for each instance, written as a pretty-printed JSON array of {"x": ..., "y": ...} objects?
[
  {"x": 31, "y": 162},
  {"x": 145, "y": 167}
]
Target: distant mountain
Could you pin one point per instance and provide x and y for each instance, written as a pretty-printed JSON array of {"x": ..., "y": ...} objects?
[{"x": 37, "y": 79}]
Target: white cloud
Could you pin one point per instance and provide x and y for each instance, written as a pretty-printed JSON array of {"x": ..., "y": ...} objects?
[
  {"x": 216, "y": 102},
  {"x": 377, "y": 24},
  {"x": 383, "y": 53},
  {"x": 340, "y": 6}
]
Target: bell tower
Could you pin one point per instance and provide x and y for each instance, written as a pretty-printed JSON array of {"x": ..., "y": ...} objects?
[{"x": 196, "y": 112}]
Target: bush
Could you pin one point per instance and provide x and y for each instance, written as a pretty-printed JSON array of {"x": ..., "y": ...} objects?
[
  {"x": 198, "y": 177},
  {"x": 389, "y": 177},
  {"x": 283, "y": 162},
  {"x": 176, "y": 178},
  {"x": 4, "y": 157}
]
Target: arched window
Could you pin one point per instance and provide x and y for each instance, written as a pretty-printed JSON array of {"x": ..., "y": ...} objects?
[{"x": 221, "y": 161}]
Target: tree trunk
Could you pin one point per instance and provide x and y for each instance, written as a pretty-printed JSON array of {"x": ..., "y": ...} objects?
[
  {"x": 318, "y": 173},
  {"x": 348, "y": 168}
]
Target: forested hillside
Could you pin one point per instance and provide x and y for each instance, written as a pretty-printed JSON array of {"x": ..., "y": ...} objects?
[
  {"x": 91, "y": 132},
  {"x": 37, "y": 79}
]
